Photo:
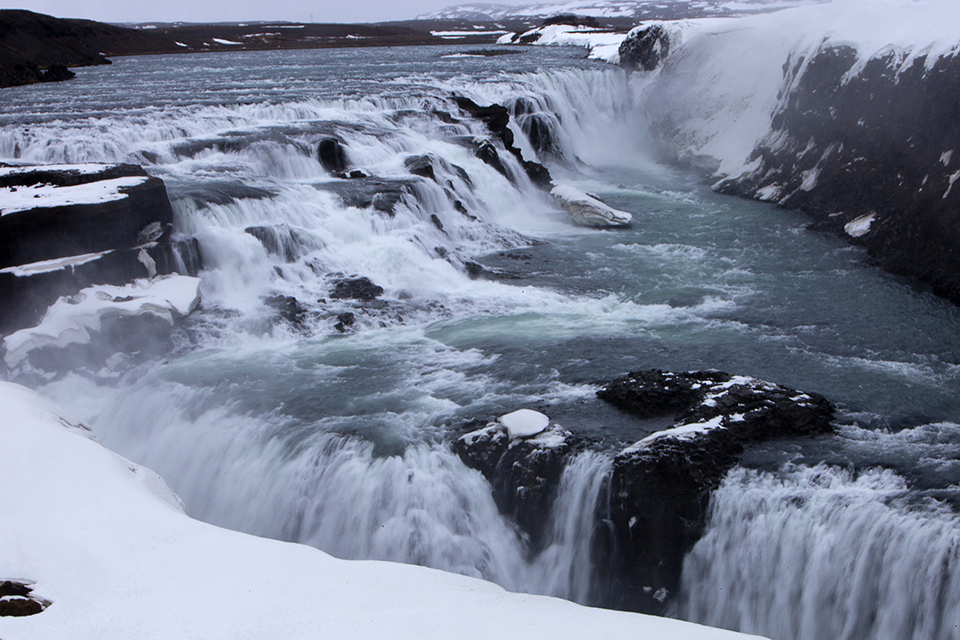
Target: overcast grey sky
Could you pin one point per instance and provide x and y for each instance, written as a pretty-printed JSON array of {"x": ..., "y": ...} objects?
[{"x": 239, "y": 10}]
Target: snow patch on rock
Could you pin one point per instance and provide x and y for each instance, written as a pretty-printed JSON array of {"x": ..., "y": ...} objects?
[
  {"x": 16, "y": 199},
  {"x": 524, "y": 423},
  {"x": 860, "y": 227},
  {"x": 71, "y": 319}
]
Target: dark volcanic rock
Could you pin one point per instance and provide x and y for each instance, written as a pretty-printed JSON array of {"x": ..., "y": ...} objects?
[
  {"x": 524, "y": 472},
  {"x": 63, "y": 229},
  {"x": 332, "y": 156},
  {"x": 356, "y": 289},
  {"x": 56, "y": 73},
  {"x": 382, "y": 194},
  {"x": 661, "y": 485},
  {"x": 420, "y": 166},
  {"x": 497, "y": 119},
  {"x": 872, "y": 155},
  {"x": 644, "y": 49},
  {"x": 288, "y": 308}
]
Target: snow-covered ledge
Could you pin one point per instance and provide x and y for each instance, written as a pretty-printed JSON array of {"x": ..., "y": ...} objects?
[{"x": 107, "y": 544}]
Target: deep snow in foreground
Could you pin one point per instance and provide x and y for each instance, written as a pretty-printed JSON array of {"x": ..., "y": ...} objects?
[{"x": 109, "y": 545}]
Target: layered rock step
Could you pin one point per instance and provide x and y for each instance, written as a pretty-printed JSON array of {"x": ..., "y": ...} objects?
[{"x": 67, "y": 227}]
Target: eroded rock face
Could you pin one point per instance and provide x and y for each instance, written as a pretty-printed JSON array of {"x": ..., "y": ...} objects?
[
  {"x": 661, "y": 485},
  {"x": 497, "y": 119},
  {"x": 644, "y": 49},
  {"x": 873, "y": 155}
]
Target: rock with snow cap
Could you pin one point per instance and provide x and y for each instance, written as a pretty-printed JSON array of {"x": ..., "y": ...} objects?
[
  {"x": 101, "y": 324},
  {"x": 522, "y": 456},
  {"x": 588, "y": 210},
  {"x": 71, "y": 226},
  {"x": 644, "y": 48}
]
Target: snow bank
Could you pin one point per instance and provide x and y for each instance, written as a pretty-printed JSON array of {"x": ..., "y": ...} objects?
[
  {"x": 724, "y": 78},
  {"x": 601, "y": 43},
  {"x": 71, "y": 319},
  {"x": 107, "y": 543},
  {"x": 14, "y": 199}
]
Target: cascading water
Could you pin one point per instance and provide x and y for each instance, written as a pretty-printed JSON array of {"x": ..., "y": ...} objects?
[
  {"x": 823, "y": 552},
  {"x": 339, "y": 439}
]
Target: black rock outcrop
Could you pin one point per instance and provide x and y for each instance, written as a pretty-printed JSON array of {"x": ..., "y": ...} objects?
[
  {"x": 17, "y": 599},
  {"x": 653, "y": 509},
  {"x": 112, "y": 232},
  {"x": 332, "y": 156},
  {"x": 356, "y": 289},
  {"x": 644, "y": 49},
  {"x": 660, "y": 486},
  {"x": 497, "y": 119},
  {"x": 524, "y": 472}
]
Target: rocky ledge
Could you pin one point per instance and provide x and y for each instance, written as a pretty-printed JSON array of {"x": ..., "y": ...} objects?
[
  {"x": 67, "y": 227},
  {"x": 848, "y": 148},
  {"x": 654, "y": 507},
  {"x": 88, "y": 251}
]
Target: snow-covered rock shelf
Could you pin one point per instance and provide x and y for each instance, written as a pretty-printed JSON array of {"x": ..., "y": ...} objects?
[
  {"x": 106, "y": 544},
  {"x": 71, "y": 226}
]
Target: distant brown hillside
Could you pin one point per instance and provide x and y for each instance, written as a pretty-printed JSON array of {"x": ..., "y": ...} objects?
[
  {"x": 31, "y": 44},
  {"x": 38, "y": 48}
]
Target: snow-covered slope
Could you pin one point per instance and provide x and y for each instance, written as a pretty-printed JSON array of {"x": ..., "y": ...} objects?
[
  {"x": 108, "y": 545},
  {"x": 725, "y": 79},
  {"x": 845, "y": 110}
]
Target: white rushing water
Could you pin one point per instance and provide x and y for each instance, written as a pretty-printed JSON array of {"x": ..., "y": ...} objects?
[
  {"x": 341, "y": 440},
  {"x": 825, "y": 553}
]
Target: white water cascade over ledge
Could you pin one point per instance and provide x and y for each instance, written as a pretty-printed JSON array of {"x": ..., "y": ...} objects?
[{"x": 341, "y": 441}]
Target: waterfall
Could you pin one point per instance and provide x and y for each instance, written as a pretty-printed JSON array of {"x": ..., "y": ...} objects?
[
  {"x": 824, "y": 552},
  {"x": 566, "y": 566}
]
